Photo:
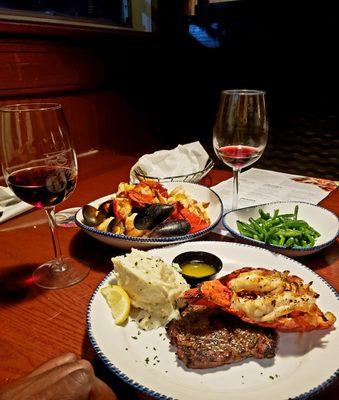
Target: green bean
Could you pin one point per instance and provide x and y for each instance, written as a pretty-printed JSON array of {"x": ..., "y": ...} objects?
[
  {"x": 283, "y": 230},
  {"x": 310, "y": 239},
  {"x": 260, "y": 221},
  {"x": 289, "y": 242},
  {"x": 288, "y": 233},
  {"x": 249, "y": 232},
  {"x": 315, "y": 233},
  {"x": 282, "y": 220},
  {"x": 255, "y": 225},
  {"x": 270, "y": 233},
  {"x": 263, "y": 214},
  {"x": 245, "y": 226},
  {"x": 295, "y": 224},
  {"x": 246, "y": 233},
  {"x": 288, "y": 216},
  {"x": 272, "y": 222}
]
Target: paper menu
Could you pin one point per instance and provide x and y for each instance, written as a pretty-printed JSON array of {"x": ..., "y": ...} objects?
[{"x": 259, "y": 186}]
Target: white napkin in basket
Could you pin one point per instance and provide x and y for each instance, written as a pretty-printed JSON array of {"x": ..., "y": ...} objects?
[
  {"x": 11, "y": 205},
  {"x": 183, "y": 160}
]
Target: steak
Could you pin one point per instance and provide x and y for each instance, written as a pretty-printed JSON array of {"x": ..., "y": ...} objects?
[{"x": 207, "y": 338}]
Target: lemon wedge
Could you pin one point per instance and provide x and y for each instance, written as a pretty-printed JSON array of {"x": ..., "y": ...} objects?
[{"x": 119, "y": 302}]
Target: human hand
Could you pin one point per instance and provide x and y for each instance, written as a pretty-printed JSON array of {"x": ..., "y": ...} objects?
[{"x": 63, "y": 378}]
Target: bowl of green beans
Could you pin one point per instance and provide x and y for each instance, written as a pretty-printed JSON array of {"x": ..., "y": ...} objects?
[{"x": 287, "y": 227}]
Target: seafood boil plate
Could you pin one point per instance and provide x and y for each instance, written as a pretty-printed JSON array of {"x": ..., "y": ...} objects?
[
  {"x": 198, "y": 192},
  {"x": 304, "y": 362}
]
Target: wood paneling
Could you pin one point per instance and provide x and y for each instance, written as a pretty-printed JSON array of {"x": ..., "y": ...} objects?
[
  {"x": 35, "y": 67},
  {"x": 99, "y": 118},
  {"x": 75, "y": 72}
]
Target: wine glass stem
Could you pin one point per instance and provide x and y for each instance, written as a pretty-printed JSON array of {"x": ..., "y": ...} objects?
[
  {"x": 235, "y": 188},
  {"x": 59, "y": 266}
]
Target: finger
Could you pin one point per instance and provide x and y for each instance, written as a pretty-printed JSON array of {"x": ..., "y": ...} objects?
[
  {"x": 28, "y": 387},
  {"x": 55, "y": 362},
  {"x": 100, "y": 391},
  {"x": 75, "y": 386},
  {"x": 54, "y": 375}
]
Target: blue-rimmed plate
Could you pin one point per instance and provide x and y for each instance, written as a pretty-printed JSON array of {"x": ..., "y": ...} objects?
[
  {"x": 197, "y": 192},
  {"x": 304, "y": 364},
  {"x": 322, "y": 220}
]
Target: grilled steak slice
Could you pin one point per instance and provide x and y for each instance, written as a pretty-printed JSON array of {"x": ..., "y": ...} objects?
[{"x": 207, "y": 338}]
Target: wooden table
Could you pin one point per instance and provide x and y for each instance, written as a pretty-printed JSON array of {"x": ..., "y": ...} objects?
[{"x": 38, "y": 324}]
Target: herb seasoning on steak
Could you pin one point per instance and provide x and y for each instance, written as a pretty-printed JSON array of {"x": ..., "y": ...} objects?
[{"x": 207, "y": 338}]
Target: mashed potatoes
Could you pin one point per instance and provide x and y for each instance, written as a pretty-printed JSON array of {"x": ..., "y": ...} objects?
[{"x": 152, "y": 285}]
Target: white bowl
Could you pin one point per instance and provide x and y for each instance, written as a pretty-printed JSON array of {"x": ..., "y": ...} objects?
[
  {"x": 322, "y": 220},
  {"x": 197, "y": 192}
]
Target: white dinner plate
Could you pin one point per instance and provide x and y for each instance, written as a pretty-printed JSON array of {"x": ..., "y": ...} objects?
[
  {"x": 197, "y": 192},
  {"x": 304, "y": 364}
]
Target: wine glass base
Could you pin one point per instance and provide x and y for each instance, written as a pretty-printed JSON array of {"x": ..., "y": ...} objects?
[{"x": 51, "y": 275}]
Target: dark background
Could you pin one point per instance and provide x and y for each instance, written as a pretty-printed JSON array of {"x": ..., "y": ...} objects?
[
  {"x": 288, "y": 48},
  {"x": 145, "y": 91}
]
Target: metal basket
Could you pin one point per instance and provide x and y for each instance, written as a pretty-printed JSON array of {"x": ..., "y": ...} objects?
[{"x": 194, "y": 177}]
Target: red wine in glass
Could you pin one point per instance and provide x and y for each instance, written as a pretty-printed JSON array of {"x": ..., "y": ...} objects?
[
  {"x": 44, "y": 186},
  {"x": 40, "y": 166},
  {"x": 239, "y": 156},
  {"x": 240, "y": 131}
]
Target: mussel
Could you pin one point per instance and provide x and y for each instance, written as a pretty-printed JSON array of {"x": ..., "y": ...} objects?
[
  {"x": 111, "y": 225},
  {"x": 176, "y": 227},
  {"x": 107, "y": 208},
  {"x": 92, "y": 216},
  {"x": 107, "y": 225},
  {"x": 138, "y": 209},
  {"x": 150, "y": 216}
]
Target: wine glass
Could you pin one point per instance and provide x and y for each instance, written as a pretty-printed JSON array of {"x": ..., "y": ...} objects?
[
  {"x": 240, "y": 131},
  {"x": 40, "y": 166}
]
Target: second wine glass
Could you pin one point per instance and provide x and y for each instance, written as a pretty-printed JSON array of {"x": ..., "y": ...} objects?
[{"x": 240, "y": 131}]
